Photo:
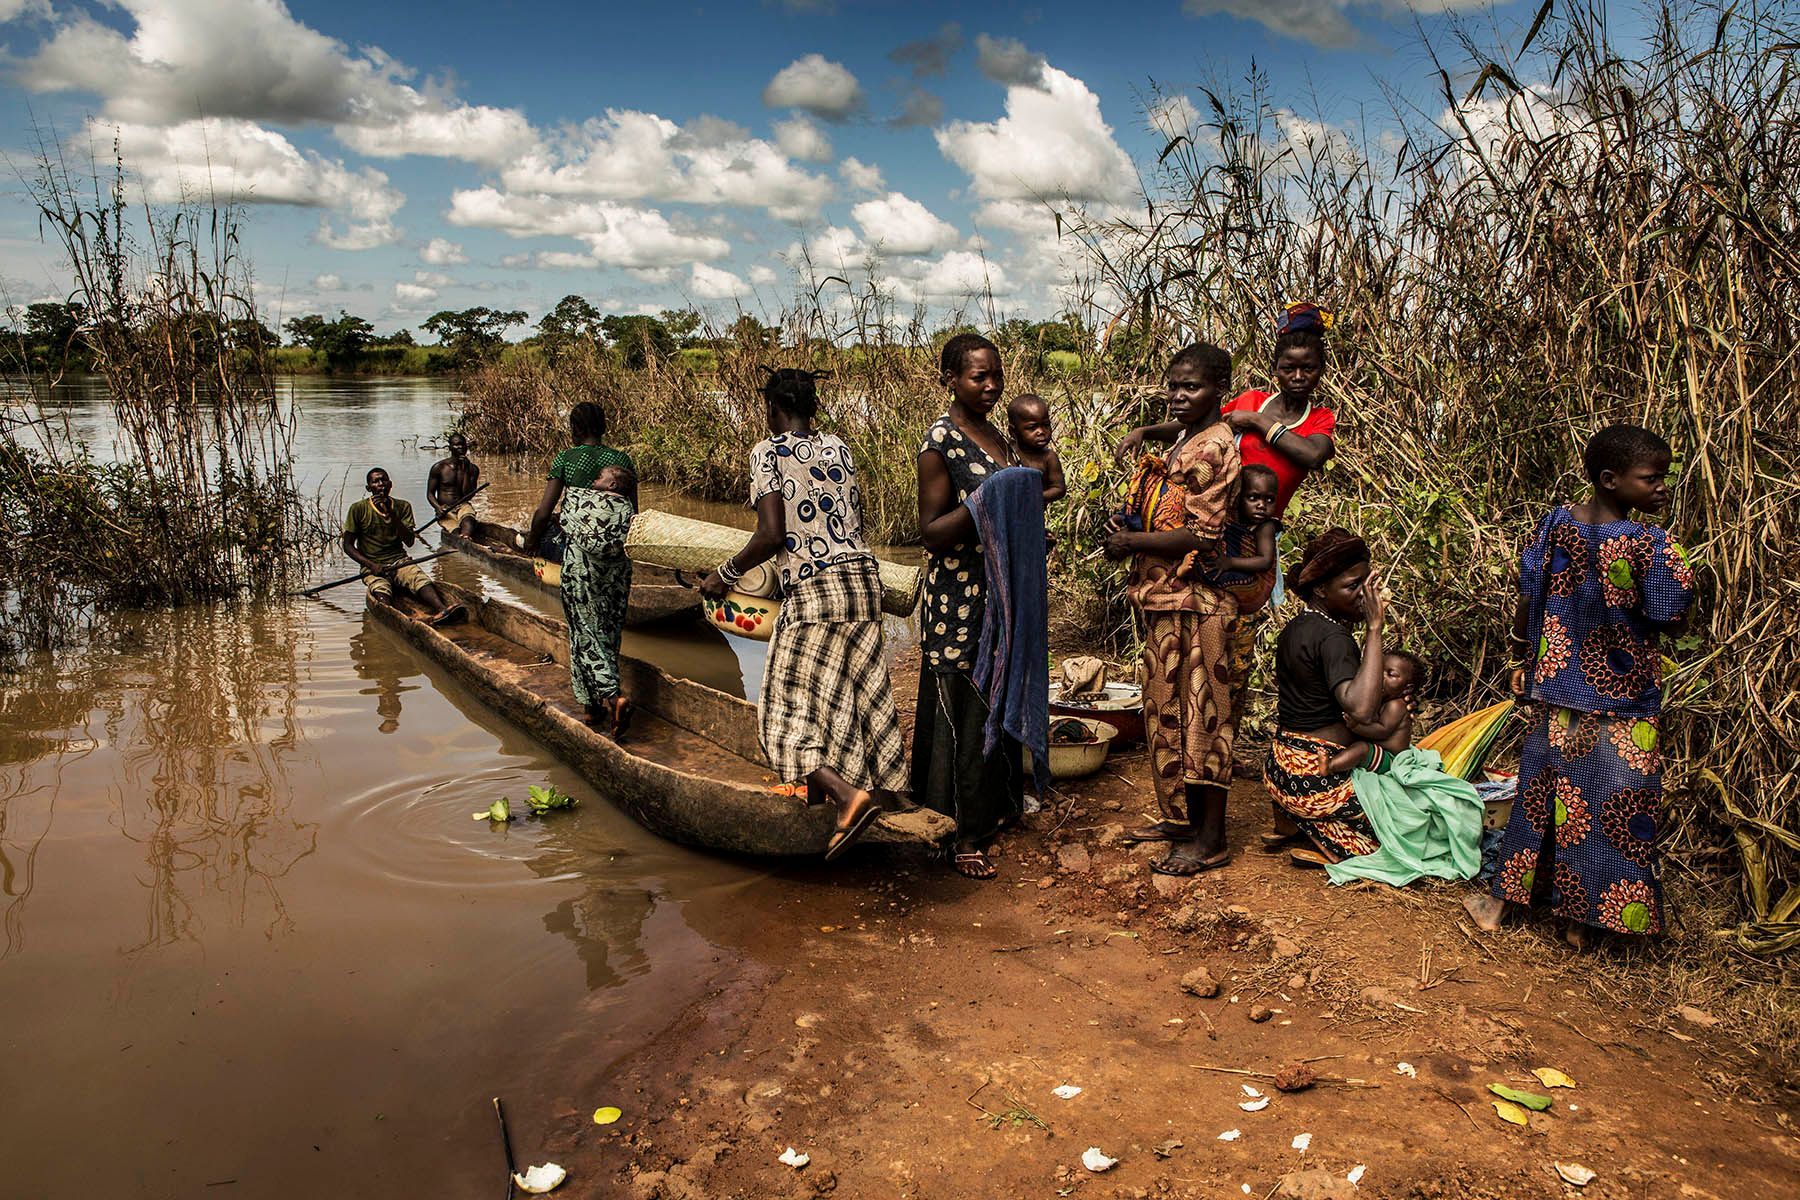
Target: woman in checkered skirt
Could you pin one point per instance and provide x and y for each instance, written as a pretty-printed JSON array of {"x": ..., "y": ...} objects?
[{"x": 827, "y": 705}]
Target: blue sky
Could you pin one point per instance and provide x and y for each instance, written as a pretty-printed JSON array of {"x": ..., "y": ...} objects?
[{"x": 400, "y": 159}]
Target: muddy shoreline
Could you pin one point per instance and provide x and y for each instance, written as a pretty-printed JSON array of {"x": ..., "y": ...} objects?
[{"x": 905, "y": 1029}]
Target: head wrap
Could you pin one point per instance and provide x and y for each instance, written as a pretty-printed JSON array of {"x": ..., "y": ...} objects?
[
  {"x": 1304, "y": 316},
  {"x": 1326, "y": 556}
]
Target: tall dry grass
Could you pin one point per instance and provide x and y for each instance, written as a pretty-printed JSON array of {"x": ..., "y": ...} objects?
[
  {"x": 199, "y": 502},
  {"x": 1579, "y": 232}
]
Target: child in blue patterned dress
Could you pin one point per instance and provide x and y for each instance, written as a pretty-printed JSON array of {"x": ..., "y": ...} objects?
[{"x": 1596, "y": 590}]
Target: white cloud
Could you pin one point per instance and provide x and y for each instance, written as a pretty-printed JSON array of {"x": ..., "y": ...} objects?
[
  {"x": 12, "y": 10},
  {"x": 1324, "y": 23},
  {"x": 898, "y": 224},
  {"x": 833, "y": 248},
  {"x": 860, "y": 175},
  {"x": 442, "y": 252},
  {"x": 713, "y": 283},
  {"x": 240, "y": 161},
  {"x": 619, "y": 235},
  {"x": 800, "y": 138},
  {"x": 436, "y": 279},
  {"x": 1051, "y": 142},
  {"x": 958, "y": 275},
  {"x": 251, "y": 60},
  {"x": 327, "y": 283},
  {"x": 1006, "y": 60},
  {"x": 816, "y": 85},
  {"x": 630, "y": 155},
  {"x": 414, "y": 293},
  {"x": 762, "y": 275},
  {"x": 473, "y": 133},
  {"x": 1171, "y": 115}
]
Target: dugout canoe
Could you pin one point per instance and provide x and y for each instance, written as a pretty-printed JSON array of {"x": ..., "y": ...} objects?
[
  {"x": 690, "y": 768},
  {"x": 655, "y": 594}
]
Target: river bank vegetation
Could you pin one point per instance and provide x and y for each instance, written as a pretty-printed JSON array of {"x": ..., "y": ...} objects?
[
  {"x": 199, "y": 503},
  {"x": 1587, "y": 233}
]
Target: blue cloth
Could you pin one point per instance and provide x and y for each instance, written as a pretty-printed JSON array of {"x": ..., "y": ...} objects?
[
  {"x": 1012, "y": 660},
  {"x": 1597, "y": 597}
]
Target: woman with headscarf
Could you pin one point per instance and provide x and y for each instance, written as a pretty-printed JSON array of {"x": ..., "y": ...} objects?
[
  {"x": 827, "y": 707},
  {"x": 1321, "y": 678}
]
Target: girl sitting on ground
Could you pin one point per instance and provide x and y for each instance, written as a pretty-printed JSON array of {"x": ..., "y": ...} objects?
[
  {"x": 1597, "y": 590},
  {"x": 1179, "y": 505}
]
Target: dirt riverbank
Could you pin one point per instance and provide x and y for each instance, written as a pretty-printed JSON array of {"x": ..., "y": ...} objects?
[{"x": 906, "y": 1029}]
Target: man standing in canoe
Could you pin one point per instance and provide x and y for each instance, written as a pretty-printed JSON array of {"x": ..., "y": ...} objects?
[
  {"x": 377, "y": 533},
  {"x": 452, "y": 482}
]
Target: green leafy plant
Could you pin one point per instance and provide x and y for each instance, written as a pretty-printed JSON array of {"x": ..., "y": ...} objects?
[{"x": 548, "y": 798}]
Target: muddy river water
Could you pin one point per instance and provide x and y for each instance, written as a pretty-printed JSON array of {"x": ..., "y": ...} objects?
[{"x": 254, "y": 945}]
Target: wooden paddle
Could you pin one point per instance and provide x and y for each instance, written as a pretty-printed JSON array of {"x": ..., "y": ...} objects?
[
  {"x": 438, "y": 516},
  {"x": 410, "y": 562}
]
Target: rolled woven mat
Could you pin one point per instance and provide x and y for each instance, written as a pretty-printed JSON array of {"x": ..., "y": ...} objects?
[{"x": 685, "y": 544}]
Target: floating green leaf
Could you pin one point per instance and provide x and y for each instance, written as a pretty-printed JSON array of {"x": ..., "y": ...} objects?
[
  {"x": 547, "y": 799},
  {"x": 497, "y": 811},
  {"x": 1531, "y": 1100}
]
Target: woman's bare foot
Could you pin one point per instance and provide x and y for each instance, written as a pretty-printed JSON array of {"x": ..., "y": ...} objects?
[
  {"x": 1485, "y": 911},
  {"x": 621, "y": 716},
  {"x": 1160, "y": 831}
]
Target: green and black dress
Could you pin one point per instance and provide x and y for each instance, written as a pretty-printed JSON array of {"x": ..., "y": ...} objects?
[{"x": 596, "y": 574}]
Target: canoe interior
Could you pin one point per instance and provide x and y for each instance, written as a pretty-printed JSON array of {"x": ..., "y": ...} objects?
[
  {"x": 690, "y": 769},
  {"x": 656, "y": 595}
]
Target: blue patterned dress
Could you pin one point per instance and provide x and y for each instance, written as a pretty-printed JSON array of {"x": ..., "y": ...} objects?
[{"x": 1584, "y": 827}]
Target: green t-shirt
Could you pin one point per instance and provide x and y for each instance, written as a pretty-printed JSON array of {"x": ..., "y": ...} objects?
[
  {"x": 579, "y": 466},
  {"x": 375, "y": 534}
]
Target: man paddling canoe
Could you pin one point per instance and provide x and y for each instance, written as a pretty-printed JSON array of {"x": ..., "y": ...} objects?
[
  {"x": 451, "y": 487},
  {"x": 377, "y": 532}
]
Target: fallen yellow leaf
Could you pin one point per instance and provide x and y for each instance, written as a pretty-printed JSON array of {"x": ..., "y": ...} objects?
[
  {"x": 1551, "y": 1077},
  {"x": 1511, "y": 1113},
  {"x": 607, "y": 1115}
]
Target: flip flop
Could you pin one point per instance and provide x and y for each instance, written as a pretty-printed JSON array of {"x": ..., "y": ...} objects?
[
  {"x": 973, "y": 864},
  {"x": 1158, "y": 831},
  {"x": 1309, "y": 858},
  {"x": 1274, "y": 841},
  {"x": 456, "y": 614},
  {"x": 1185, "y": 868},
  {"x": 860, "y": 820}
]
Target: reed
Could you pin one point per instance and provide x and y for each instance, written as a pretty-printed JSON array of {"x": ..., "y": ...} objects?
[{"x": 199, "y": 501}]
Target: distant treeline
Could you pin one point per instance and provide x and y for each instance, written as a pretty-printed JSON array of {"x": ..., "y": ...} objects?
[{"x": 50, "y": 336}]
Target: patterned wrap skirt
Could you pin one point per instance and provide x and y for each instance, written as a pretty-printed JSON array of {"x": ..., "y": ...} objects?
[
  {"x": 596, "y": 589},
  {"x": 1189, "y": 712},
  {"x": 1584, "y": 826},
  {"x": 826, "y": 698},
  {"x": 1322, "y": 802}
]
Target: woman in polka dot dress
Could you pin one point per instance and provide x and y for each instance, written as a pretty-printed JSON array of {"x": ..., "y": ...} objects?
[{"x": 982, "y": 793}]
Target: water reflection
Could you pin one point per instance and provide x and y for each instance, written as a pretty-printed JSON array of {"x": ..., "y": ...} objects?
[{"x": 376, "y": 662}]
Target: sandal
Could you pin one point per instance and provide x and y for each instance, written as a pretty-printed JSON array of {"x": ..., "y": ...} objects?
[
  {"x": 1159, "y": 831},
  {"x": 1275, "y": 841},
  {"x": 861, "y": 814},
  {"x": 973, "y": 864},
  {"x": 1309, "y": 858},
  {"x": 1184, "y": 866}
]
